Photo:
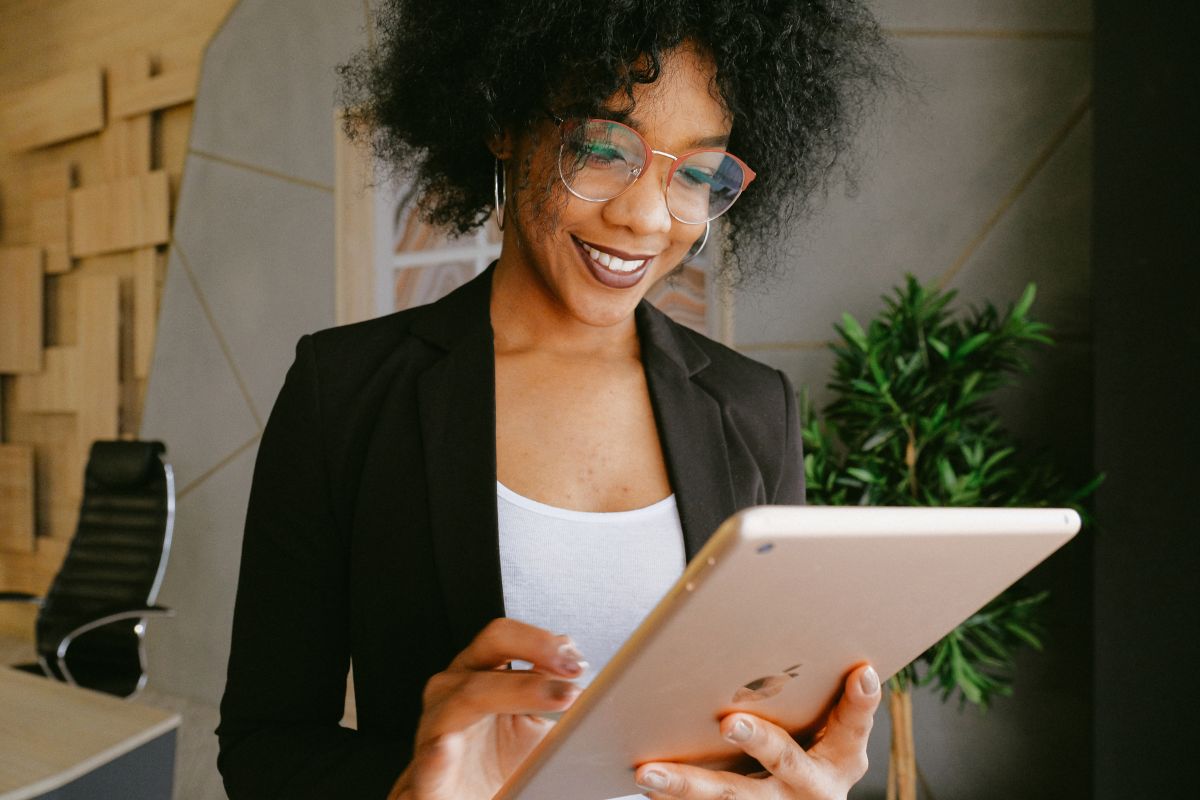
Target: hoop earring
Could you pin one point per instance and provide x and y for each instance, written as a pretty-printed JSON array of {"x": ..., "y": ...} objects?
[
  {"x": 696, "y": 250},
  {"x": 498, "y": 177}
]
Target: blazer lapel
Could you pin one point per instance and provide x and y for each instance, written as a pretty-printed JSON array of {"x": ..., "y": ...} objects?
[
  {"x": 456, "y": 399},
  {"x": 690, "y": 427}
]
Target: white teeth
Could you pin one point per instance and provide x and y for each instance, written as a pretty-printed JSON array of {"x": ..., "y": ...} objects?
[{"x": 612, "y": 262}]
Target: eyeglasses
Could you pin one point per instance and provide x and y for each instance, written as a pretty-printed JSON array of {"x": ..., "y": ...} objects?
[{"x": 600, "y": 159}]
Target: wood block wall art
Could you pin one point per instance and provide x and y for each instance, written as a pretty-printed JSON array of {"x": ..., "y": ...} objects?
[
  {"x": 21, "y": 291},
  {"x": 90, "y": 159},
  {"x": 99, "y": 357},
  {"x": 142, "y": 94},
  {"x": 49, "y": 185},
  {"x": 29, "y": 572},
  {"x": 54, "y": 390},
  {"x": 126, "y": 145},
  {"x": 145, "y": 309},
  {"x": 62, "y": 108},
  {"x": 58, "y": 467},
  {"x": 124, "y": 214},
  {"x": 16, "y": 497}
]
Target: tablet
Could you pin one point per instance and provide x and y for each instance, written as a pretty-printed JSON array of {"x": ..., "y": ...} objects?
[{"x": 769, "y": 617}]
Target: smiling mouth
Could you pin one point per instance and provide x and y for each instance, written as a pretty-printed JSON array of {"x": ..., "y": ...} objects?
[{"x": 612, "y": 270}]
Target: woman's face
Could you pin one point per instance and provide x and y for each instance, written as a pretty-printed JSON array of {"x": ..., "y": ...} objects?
[{"x": 675, "y": 114}]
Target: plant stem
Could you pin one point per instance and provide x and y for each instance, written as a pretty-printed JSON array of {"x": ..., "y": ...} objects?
[
  {"x": 902, "y": 773},
  {"x": 910, "y": 460}
]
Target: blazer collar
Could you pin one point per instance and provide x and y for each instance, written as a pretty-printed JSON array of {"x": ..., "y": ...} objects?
[{"x": 457, "y": 402}]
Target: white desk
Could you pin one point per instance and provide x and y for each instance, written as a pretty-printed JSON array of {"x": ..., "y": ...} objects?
[{"x": 54, "y": 737}]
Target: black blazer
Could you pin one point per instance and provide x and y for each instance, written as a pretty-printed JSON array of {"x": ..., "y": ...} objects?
[{"x": 371, "y": 532}]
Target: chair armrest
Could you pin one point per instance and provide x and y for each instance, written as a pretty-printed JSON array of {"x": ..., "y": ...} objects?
[
  {"x": 20, "y": 597},
  {"x": 112, "y": 616}
]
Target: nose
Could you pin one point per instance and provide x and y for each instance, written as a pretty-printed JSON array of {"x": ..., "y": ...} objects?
[{"x": 642, "y": 208}]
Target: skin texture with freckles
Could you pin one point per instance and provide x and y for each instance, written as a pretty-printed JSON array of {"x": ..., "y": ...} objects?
[{"x": 574, "y": 425}]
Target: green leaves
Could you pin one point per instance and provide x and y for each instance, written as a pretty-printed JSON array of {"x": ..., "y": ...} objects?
[{"x": 911, "y": 424}]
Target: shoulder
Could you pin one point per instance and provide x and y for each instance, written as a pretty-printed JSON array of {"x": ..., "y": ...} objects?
[
  {"x": 366, "y": 342},
  {"x": 759, "y": 409},
  {"x": 734, "y": 379},
  {"x": 734, "y": 374}
]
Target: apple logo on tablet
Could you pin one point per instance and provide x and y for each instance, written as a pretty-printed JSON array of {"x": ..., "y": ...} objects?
[{"x": 768, "y": 686}]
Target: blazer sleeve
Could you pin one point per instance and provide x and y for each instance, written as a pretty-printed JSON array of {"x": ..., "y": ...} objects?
[
  {"x": 285, "y": 691},
  {"x": 790, "y": 489}
]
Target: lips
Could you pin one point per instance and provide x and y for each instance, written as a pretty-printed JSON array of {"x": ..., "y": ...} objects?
[{"x": 621, "y": 271}]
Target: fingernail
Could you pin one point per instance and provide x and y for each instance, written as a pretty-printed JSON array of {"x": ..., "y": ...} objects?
[
  {"x": 653, "y": 780},
  {"x": 570, "y": 666},
  {"x": 561, "y": 690},
  {"x": 568, "y": 650},
  {"x": 869, "y": 681},
  {"x": 740, "y": 732},
  {"x": 570, "y": 660}
]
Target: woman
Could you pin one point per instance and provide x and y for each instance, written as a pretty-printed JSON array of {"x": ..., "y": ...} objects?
[{"x": 518, "y": 472}]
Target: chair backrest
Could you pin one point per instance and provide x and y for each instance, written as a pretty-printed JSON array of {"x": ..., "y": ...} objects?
[{"x": 115, "y": 562}]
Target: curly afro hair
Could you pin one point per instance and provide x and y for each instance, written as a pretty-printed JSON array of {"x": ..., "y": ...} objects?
[{"x": 796, "y": 75}]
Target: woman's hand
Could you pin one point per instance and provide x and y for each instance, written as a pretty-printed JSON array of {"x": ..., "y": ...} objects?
[
  {"x": 477, "y": 724},
  {"x": 826, "y": 771}
]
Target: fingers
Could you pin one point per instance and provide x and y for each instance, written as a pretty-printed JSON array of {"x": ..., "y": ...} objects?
[
  {"x": 456, "y": 700},
  {"x": 694, "y": 783},
  {"x": 504, "y": 640},
  {"x": 774, "y": 748},
  {"x": 845, "y": 739},
  {"x": 834, "y": 763}
]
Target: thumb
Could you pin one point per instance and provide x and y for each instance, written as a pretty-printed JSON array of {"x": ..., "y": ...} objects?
[{"x": 436, "y": 765}]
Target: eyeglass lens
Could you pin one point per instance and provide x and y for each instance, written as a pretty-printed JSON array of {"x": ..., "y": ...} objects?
[{"x": 600, "y": 159}]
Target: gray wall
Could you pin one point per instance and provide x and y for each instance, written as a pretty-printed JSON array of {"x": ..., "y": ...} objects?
[
  {"x": 981, "y": 182},
  {"x": 250, "y": 271}
]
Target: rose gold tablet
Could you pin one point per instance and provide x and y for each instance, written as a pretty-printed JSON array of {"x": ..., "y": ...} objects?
[{"x": 768, "y": 618}]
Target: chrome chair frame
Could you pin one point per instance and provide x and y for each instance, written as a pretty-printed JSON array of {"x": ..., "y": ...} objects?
[{"x": 140, "y": 613}]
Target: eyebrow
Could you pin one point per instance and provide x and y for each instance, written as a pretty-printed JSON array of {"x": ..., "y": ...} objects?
[{"x": 717, "y": 140}]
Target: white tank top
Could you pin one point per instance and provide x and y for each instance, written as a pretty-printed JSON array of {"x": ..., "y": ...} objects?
[{"x": 592, "y": 575}]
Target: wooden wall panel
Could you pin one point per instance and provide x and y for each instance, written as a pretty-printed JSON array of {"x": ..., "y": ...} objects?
[
  {"x": 58, "y": 465},
  {"x": 16, "y": 498},
  {"x": 49, "y": 185},
  {"x": 145, "y": 309},
  {"x": 99, "y": 357},
  {"x": 130, "y": 98},
  {"x": 61, "y": 108},
  {"x": 126, "y": 145},
  {"x": 20, "y": 309},
  {"x": 173, "y": 128},
  {"x": 121, "y": 215},
  {"x": 54, "y": 390},
  {"x": 354, "y": 199},
  {"x": 99, "y": 308}
]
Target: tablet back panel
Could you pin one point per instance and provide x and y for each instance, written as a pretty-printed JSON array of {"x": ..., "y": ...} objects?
[{"x": 769, "y": 618}]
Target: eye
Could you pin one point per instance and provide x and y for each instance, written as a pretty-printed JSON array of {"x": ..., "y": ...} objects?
[
  {"x": 695, "y": 177},
  {"x": 597, "y": 153}
]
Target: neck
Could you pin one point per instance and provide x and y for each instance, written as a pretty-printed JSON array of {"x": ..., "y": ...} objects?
[{"x": 527, "y": 316}]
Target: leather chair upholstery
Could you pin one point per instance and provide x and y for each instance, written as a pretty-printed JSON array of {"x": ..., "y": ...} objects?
[{"x": 91, "y": 622}]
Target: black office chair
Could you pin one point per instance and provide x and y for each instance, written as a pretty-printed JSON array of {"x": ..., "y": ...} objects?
[{"x": 91, "y": 623}]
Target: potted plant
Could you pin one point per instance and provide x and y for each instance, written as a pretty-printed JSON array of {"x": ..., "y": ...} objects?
[{"x": 911, "y": 424}]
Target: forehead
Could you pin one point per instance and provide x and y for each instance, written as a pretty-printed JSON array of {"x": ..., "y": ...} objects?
[{"x": 682, "y": 107}]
